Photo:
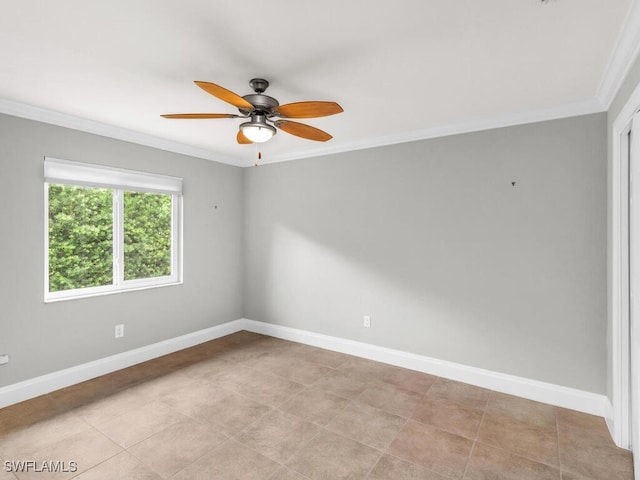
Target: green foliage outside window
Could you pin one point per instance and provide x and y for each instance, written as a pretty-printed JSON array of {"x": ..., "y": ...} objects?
[
  {"x": 81, "y": 236},
  {"x": 147, "y": 235}
]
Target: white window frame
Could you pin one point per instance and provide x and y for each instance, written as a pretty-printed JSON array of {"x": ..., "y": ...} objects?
[{"x": 65, "y": 172}]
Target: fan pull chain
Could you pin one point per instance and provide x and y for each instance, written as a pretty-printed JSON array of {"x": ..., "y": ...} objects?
[{"x": 259, "y": 154}]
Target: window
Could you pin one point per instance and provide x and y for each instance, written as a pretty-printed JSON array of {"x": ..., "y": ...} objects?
[{"x": 109, "y": 230}]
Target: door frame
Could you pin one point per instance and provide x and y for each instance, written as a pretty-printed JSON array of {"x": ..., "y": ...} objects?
[
  {"x": 634, "y": 265},
  {"x": 620, "y": 422}
]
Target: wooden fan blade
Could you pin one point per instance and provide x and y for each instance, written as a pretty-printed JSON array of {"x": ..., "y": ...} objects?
[
  {"x": 242, "y": 140},
  {"x": 308, "y": 109},
  {"x": 224, "y": 94},
  {"x": 303, "y": 131},
  {"x": 200, "y": 115}
]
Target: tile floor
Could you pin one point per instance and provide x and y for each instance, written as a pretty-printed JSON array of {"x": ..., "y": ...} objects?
[{"x": 252, "y": 407}]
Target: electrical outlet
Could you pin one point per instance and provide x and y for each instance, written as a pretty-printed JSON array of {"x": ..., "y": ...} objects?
[
  {"x": 4, "y": 359},
  {"x": 367, "y": 321},
  {"x": 119, "y": 331}
]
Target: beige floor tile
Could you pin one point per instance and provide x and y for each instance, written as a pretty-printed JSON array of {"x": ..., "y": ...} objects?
[
  {"x": 5, "y": 470},
  {"x": 111, "y": 406},
  {"x": 406, "y": 379},
  {"x": 341, "y": 383},
  {"x": 278, "y": 435},
  {"x": 363, "y": 369},
  {"x": 290, "y": 367},
  {"x": 331, "y": 456},
  {"x": 585, "y": 450},
  {"x": 287, "y": 474},
  {"x": 488, "y": 463},
  {"x": 453, "y": 417},
  {"x": 87, "y": 449},
  {"x": 270, "y": 347},
  {"x": 195, "y": 400},
  {"x": 321, "y": 356},
  {"x": 390, "y": 399},
  {"x": 231, "y": 413},
  {"x": 273, "y": 396},
  {"x": 24, "y": 442},
  {"x": 122, "y": 466},
  {"x": 75, "y": 396},
  {"x": 367, "y": 425},
  {"x": 392, "y": 468},
  {"x": 589, "y": 425},
  {"x": 437, "y": 450},
  {"x": 459, "y": 392},
  {"x": 315, "y": 405},
  {"x": 522, "y": 409},
  {"x": 242, "y": 337},
  {"x": 230, "y": 461},
  {"x": 169, "y": 451},
  {"x": 140, "y": 423},
  {"x": 573, "y": 476},
  {"x": 206, "y": 369},
  {"x": 163, "y": 385},
  {"x": 262, "y": 387},
  {"x": 27, "y": 413},
  {"x": 537, "y": 442},
  {"x": 243, "y": 353}
]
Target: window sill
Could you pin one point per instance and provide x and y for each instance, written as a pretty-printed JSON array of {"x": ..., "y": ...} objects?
[{"x": 99, "y": 292}]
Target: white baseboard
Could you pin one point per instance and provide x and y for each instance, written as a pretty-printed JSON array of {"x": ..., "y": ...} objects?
[
  {"x": 574, "y": 399},
  {"x": 609, "y": 418},
  {"x": 37, "y": 386},
  {"x": 557, "y": 395}
]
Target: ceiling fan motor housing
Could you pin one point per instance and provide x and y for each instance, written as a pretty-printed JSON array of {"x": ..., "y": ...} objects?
[{"x": 261, "y": 103}]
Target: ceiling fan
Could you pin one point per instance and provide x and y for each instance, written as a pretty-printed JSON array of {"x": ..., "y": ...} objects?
[{"x": 265, "y": 114}]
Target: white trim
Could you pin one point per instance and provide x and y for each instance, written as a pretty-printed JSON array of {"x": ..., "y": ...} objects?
[
  {"x": 622, "y": 58},
  {"x": 558, "y": 395},
  {"x": 592, "y": 105},
  {"x": 634, "y": 283},
  {"x": 619, "y": 276},
  {"x": 476, "y": 125},
  {"x": 73, "y": 122},
  {"x": 117, "y": 228},
  {"x": 34, "y": 387},
  {"x": 592, "y": 403},
  {"x": 46, "y": 236},
  {"x": 620, "y": 289}
]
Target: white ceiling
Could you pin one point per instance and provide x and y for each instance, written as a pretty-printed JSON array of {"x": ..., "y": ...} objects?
[{"x": 402, "y": 70}]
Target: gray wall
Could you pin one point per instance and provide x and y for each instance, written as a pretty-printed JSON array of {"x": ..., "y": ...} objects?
[
  {"x": 631, "y": 81},
  {"x": 450, "y": 260},
  {"x": 429, "y": 238},
  {"x": 43, "y": 338}
]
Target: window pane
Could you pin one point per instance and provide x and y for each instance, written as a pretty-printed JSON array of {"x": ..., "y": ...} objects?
[
  {"x": 80, "y": 237},
  {"x": 147, "y": 235}
]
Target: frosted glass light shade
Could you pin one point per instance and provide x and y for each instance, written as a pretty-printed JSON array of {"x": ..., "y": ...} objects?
[{"x": 257, "y": 132}]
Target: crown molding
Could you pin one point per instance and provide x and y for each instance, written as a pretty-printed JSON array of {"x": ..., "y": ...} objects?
[
  {"x": 622, "y": 58},
  {"x": 74, "y": 122},
  {"x": 498, "y": 121}
]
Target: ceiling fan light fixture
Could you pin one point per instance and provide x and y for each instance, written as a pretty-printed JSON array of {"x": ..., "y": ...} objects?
[{"x": 257, "y": 132}]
